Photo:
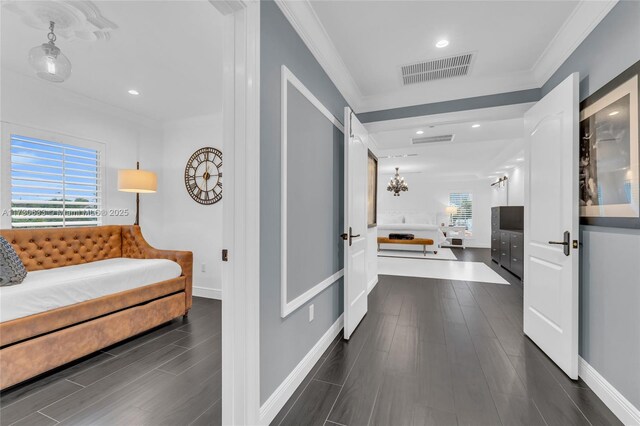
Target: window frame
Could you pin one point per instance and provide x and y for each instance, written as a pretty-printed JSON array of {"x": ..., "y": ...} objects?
[
  {"x": 470, "y": 198},
  {"x": 8, "y": 129}
]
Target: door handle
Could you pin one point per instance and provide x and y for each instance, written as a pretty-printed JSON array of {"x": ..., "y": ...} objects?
[
  {"x": 566, "y": 243},
  {"x": 349, "y": 236}
]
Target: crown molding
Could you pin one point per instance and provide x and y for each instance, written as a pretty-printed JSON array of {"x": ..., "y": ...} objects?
[
  {"x": 584, "y": 18},
  {"x": 304, "y": 20},
  {"x": 301, "y": 15}
]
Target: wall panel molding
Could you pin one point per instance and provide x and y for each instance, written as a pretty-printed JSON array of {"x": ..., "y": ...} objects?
[{"x": 287, "y": 307}]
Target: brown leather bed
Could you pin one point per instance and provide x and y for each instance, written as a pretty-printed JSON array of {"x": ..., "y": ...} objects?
[{"x": 34, "y": 344}]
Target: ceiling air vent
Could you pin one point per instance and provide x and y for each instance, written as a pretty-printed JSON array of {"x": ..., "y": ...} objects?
[
  {"x": 432, "y": 139},
  {"x": 436, "y": 69}
]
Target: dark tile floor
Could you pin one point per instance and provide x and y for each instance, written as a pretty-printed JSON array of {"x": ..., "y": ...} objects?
[
  {"x": 429, "y": 352},
  {"x": 168, "y": 376},
  {"x": 440, "y": 352}
]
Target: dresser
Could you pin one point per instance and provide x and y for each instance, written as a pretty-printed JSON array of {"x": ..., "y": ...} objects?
[{"x": 507, "y": 238}]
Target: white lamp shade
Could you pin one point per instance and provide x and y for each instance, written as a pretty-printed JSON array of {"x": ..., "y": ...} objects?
[
  {"x": 141, "y": 181},
  {"x": 451, "y": 210}
]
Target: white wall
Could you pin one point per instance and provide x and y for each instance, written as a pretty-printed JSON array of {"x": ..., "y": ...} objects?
[
  {"x": 513, "y": 193},
  {"x": 188, "y": 225},
  {"x": 170, "y": 219},
  {"x": 31, "y": 103},
  {"x": 429, "y": 196}
]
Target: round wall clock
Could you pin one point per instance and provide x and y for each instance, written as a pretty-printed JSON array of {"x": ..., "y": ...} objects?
[{"x": 203, "y": 176}]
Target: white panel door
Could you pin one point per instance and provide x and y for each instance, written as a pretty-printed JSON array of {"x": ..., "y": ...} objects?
[
  {"x": 355, "y": 222},
  {"x": 551, "y": 225}
]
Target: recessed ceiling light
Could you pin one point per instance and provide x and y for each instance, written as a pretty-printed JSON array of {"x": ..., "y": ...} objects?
[
  {"x": 614, "y": 113},
  {"x": 419, "y": 132},
  {"x": 133, "y": 92},
  {"x": 499, "y": 172},
  {"x": 475, "y": 126},
  {"x": 442, "y": 43},
  {"x": 520, "y": 160}
]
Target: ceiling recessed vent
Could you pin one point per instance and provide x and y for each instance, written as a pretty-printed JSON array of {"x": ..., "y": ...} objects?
[
  {"x": 432, "y": 139},
  {"x": 436, "y": 69}
]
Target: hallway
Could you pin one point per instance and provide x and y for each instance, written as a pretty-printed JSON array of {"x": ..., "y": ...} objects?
[{"x": 440, "y": 352}]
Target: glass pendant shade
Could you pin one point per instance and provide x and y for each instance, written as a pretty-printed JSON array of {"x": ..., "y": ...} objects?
[{"x": 50, "y": 63}]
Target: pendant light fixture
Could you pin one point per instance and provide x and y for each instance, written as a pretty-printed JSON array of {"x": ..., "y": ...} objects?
[
  {"x": 397, "y": 184},
  {"x": 48, "y": 61}
]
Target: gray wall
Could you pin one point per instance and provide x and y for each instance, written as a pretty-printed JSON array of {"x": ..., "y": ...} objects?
[
  {"x": 284, "y": 342},
  {"x": 315, "y": 190},
  {"x": 488, "y": 101},
  {"x": 610, "y": 258}
]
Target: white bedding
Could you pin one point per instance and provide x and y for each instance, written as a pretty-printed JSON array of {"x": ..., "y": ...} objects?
[{"x": 54, "y": 288}]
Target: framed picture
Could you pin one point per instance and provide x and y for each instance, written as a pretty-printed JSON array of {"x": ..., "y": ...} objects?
[
  {"x": 372, "y": 190},
  {"x": 610, "y": 153}
]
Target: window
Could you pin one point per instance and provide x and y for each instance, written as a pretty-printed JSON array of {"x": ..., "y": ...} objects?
[
  {"x": 54, "y": 184},
  {"x": 464, "y": 215}
]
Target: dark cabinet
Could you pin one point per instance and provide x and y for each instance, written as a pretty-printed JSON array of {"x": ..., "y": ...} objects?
[{"x": 507, "y": 238}]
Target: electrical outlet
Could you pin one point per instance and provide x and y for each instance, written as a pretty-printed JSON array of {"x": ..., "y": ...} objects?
[
  {"x": 204, "y": 267},
  {"x": 311, "y": 312}
]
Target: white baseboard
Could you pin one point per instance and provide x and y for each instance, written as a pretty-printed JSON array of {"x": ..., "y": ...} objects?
[
  {"x": 372, "y": 284},
  {"x": 276, "y": 401},
  {"x": 209, "y": 293},
  {"x": 617, "y": 403}
]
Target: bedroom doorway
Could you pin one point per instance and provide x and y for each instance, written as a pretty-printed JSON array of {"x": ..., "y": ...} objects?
[{"x": 450, "y": 164}]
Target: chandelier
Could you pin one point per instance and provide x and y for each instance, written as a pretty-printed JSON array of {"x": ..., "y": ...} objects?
[
  {"x": 397, "y": 184},
  {"x": 48, "y": 61}
]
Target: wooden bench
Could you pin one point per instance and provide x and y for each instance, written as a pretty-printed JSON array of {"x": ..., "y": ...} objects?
[{"x": 424, "y": 242}]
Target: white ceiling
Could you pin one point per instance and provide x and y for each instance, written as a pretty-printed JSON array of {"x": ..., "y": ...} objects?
[
  {"x": 362, "y": 44},
  {"x": 484, "y": 152},
  {"x": 171, "y": 52}
]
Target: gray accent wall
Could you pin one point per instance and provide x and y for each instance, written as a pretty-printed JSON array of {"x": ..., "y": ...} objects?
[
  {"x": 610, "y": 257},
  {"x": 315, "y": 190},
  {"x": 285, "y": 341},
  {"x": 488, "y": 101}
]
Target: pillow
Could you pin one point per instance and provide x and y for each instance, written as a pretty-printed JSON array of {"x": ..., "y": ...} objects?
[
  {"x": 391, "y": 219},
  {"x": 419, "y": 219},
  {"x": 12, "y": 270}
]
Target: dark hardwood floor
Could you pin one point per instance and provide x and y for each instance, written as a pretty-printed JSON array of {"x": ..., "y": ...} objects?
[
  {"x": 440, "y": 352},
  {"x": 168, "y": 376}
]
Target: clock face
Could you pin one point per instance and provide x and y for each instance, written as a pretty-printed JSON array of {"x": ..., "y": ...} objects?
[{"x": 203, "y": 176}]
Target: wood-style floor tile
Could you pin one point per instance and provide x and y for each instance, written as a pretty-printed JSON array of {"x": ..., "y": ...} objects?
[{"x": 314, "y": 405}]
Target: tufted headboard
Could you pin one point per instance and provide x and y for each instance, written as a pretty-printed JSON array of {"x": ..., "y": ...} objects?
[{"x": 56, "y": 247}]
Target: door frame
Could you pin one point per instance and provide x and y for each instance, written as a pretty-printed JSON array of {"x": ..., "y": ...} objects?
[{"x": 241, "y": 213}]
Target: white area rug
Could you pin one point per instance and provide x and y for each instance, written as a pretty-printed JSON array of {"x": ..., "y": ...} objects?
[
  {"x": 443, "y": 254},
  {"x": 446, "y": 270}
]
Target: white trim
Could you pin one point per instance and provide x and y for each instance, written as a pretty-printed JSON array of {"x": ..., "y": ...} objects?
[
  {"x": 612, "y": 398},
  {"x": 281, "y": 395},
  {"x": 286, "y": 78},
  {"x": 372, "y": 284},
  {"x": 584, "y": 18},
  {"x": 289, "y": 307},
  {"x": 241, "y": 215},
  {"x": 8, "y": 128},
  {"x": 304, "y": 20},
  {"x": 209, "y": 293}
]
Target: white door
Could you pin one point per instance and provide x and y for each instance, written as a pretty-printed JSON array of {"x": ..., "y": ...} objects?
[
  {"x": 355, "y": 222},
  {"x": 551, "y": 225}
]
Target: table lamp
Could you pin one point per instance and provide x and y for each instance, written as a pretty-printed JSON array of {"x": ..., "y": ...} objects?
[{"x": 138, "y": 181}]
